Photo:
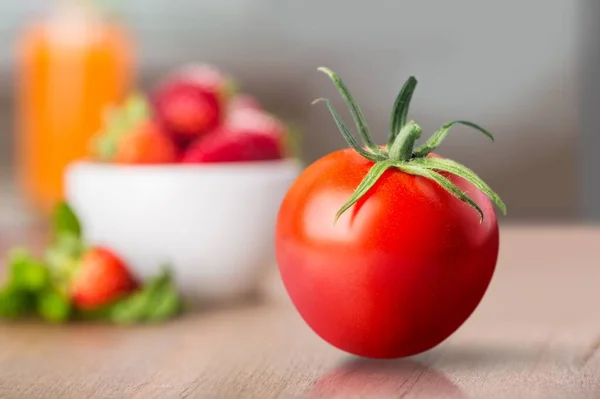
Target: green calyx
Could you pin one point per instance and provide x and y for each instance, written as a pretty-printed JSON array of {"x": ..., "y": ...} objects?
[
  {"x": 401, "y": 151},
  {"x": 118, "y": 121}
]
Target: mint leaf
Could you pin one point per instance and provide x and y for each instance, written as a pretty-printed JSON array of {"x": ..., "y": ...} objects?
[
  {"x": 53, "y": 305},
  {"x": 130, "y": 310},
  {"x": 26, "y": 273},
  {"x": 157, "y": 301},
  {"x": 69, "y": 245},
  {"x": 14, "y": 303},
  {"x": 30, "y": 289},
  {"x": 65, "y": 247},
  {"x": 65, "y": 221},
  {"x": 39, "y": 286},
  {"x": 165, "y": 301},
  {"x": 62, "y": 258},
  {"x": 165, "y": 306}
]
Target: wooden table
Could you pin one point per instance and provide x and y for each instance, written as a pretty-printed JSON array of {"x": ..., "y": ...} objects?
[{"x": 536, "y": 335}]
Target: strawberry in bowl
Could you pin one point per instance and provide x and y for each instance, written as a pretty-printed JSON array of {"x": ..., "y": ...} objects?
[
  {"x": 131, "y": 136},
  {"x": 190, "y": 102},
  {"x": 236, "y": 144},
  {"x": 174, "y": 180}
]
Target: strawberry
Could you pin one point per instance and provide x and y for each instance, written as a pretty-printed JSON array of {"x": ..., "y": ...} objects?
[
  {"x": 229, "y": 144},
  {"x": 187, "y": 112},
  {"x": 247, "y": 118},
  {"x": 256, "y": 119},
  {"x": 190, "y": 101},
  {"x": 146, "y": 144},
  {"x": 242, "y": 102},
  {"x": 101, "y": 279},
  {"x": 207, "y": 77},
  {"x": 129, "y": 136}
]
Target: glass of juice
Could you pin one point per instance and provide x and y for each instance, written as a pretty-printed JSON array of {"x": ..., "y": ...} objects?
[{"x": 71, "y": 65}]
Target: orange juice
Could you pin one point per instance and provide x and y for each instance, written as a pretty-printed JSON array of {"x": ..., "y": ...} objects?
[{"x": 71, "y": 66}]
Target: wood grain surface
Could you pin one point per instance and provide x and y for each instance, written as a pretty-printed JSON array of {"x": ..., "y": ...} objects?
[{"x": 536, "y": 335}]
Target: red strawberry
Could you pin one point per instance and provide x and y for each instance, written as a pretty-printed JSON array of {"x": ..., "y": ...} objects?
[
  {"x": 186, "y": 111},
  {"x": 146, "y": 144},
  {"x": 234, "y": 145},
  {"x": 189, "y": 103},
  {"x": 242, "y": 102},
  {"x": 256, "y": 119},
  {"x": 102, "y": 278},
  {"x": 207, "y": 77}
]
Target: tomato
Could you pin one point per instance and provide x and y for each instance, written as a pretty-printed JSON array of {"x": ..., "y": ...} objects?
[
  {"x": 396, "y": 275},
  {"x": 400, "y": 270}
]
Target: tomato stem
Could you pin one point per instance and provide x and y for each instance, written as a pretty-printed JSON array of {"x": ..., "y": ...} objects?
[
  {"x": 436, "y": 139},
  {"x": 400, "y": 153},
  {"x": 402, "y": 147},
  {"x": 400, "y": 110},
  {"x": 357, "y": 115}
]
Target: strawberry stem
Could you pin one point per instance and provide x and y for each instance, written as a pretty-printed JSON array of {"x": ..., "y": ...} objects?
[
  {"x": 400, "y": 152},
  {"x": 118, "y": 122}
]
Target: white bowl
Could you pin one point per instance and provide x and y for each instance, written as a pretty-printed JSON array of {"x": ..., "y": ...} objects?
[{"x": 213, "y": 223}]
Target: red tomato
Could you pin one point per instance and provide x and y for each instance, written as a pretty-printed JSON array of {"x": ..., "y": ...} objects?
[{"x": 399, "y": 272}]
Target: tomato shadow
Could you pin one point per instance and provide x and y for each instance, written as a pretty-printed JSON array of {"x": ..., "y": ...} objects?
[{"x": 358, "y": 377}]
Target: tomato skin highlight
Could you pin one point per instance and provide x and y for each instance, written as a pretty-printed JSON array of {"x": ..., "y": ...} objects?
[{"x": 399, "y": 272}]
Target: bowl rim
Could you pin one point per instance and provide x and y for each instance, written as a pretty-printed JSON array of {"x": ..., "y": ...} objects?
[{"x": 277, "y": 164}]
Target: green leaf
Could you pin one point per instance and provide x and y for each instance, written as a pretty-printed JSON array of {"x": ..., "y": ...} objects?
[
  {"x": 293, "y": 142},
  {"x": 104, "y": 147},
  {"x": 447, "y": 165},
  {"x": 404, "y": 143},
  {"x": 346, "y": 132},
  {"x": 117, "y": 122},
  {"x": 357, "y": 115},
  {"x": 230, "y": 89},
  {"x": 67, "y": 245},
  {"x": 130, "y": 310},
  {"x": 441, "y": 180},
  {"x": 166, "y": 301},
  {"x": 136, "y": 108},
  {"x": 15, "y": 303},
  {"x": 158, "y": 301},
  {"x": 27, "y": 273},
  {"x": 400, "y": 110},
  {"x": 65, "y": 221},
  {"x": 53, "y": 306},
  {"x": 27, "y": 277},
  {"x": 365, "y": 185},
  {"x": 436, "y": 139},
  {"x": 135, "y": 308},
  {"x": 62, "y": 258}
]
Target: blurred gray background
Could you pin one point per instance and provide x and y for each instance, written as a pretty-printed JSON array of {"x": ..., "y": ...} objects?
[{"x": 511, "y": 66}]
